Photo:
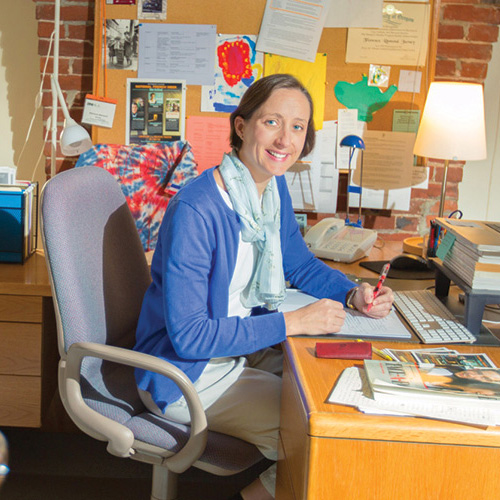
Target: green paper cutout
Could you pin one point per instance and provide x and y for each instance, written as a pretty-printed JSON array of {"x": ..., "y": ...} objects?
[{"x": 363, "y": 97}]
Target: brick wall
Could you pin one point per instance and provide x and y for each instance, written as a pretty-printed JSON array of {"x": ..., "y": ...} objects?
[
  {"x": 467, "y": 31},
  {"x": 75, "y": 61}
]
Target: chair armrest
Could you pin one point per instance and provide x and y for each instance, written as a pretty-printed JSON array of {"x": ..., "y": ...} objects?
[{"x": 120, "y": 438}]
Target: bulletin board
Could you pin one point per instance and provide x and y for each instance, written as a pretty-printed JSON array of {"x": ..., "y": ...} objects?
[{"x": 244, "y": 17}]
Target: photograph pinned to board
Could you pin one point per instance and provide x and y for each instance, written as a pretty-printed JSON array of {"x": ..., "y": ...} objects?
[
  {"x": 378, "y": 76},
  {"x": 122, "y": 42},
  {"x": 156, "y": 110},
  {"x": 152, "y": 9},
  {"x": 237, "y": 66}
]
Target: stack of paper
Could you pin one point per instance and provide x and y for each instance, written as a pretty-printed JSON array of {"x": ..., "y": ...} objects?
[
  {"x": 352, "y": 389},
  {"x": 472, "y": 252},
  {"x": 467, "y": 390}
]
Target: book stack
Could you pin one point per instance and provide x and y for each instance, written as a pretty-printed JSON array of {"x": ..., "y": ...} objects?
[{"x": 471, "y": 250}]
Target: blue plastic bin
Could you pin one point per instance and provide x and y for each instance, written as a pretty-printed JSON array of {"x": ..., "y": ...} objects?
[{"x": 18, "y": 221}]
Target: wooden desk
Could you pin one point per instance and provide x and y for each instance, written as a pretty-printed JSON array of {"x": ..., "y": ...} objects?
[
  {"x": 336, "y": 452},
  {"x": 28, "y": 351}
]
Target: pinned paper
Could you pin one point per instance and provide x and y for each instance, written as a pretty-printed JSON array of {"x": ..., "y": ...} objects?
[
  {"x": 99, "y": 111},
  {"x": 403, "y": 39},
  {"x": 311, "y": 74},
  {"x": 237, "y": 66},
  {"x": 379, "y": 76},
  {"x": 209, "y": 139},
  {"x": 405, "y": 120},
  {"x": 409, "y": 81}
]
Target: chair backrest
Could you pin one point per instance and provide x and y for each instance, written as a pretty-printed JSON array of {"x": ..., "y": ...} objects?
[{"x": 96, "y": 261}]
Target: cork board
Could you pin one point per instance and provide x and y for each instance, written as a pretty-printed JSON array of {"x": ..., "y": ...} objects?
[{"x": 244, "y": 17}]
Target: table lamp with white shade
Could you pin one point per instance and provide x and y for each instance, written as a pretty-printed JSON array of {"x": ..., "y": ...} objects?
[{"x": 452, "y": 126}]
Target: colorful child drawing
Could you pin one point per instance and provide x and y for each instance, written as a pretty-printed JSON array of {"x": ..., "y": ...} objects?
[{"x": 238, "y": 65}]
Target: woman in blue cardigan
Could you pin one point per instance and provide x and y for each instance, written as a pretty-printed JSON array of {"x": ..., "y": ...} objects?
[{"x": 228, "y": 242}]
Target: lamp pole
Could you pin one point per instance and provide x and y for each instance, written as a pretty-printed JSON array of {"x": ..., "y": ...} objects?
[{"x": 55, "y": 76}]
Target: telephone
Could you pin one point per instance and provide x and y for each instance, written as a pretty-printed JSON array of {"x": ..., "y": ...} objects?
[{"x": 332, "y": 239}]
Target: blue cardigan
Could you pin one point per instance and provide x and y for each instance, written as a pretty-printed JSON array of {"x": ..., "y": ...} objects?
[{"x": 184, "y": 313}]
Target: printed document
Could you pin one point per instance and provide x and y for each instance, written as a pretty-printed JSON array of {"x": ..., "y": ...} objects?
[
  {"x": 180, "y": 51},
  {"x": 356, "y": 324},
  {"x": 293, "y": 28}
]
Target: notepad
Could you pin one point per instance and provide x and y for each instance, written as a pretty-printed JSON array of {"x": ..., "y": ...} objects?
[{"x": 356, "y": 324}]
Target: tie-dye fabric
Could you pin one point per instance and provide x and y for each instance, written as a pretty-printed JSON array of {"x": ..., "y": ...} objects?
[{"x": 149, "y": 176}]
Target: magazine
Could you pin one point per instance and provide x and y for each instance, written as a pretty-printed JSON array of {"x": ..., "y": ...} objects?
[
  {"x": 441, "y": 357},
  {"x": 449, "y": 383},
  {"x": 352, "y": 389}
]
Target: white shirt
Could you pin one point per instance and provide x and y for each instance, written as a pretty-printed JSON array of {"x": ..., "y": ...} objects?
[{"x": 245, "y": 264}]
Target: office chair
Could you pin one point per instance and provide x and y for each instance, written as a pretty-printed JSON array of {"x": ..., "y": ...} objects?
[{"x": 99, "y": 274}]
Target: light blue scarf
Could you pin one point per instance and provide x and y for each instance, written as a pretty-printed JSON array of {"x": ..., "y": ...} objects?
[{"x": 260, "y": 224}]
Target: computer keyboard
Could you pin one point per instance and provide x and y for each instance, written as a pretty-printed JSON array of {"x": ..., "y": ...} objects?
[{"x": 430, "y": 319}]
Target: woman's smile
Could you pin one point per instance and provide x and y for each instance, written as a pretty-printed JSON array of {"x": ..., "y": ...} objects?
[{"x": 273, "y": 138}]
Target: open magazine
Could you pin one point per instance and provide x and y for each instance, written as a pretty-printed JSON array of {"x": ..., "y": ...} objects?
[{"x": 446, "y": 383}]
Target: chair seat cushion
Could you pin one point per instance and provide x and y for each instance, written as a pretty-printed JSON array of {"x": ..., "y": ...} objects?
[{"x": 110, "y": 389}]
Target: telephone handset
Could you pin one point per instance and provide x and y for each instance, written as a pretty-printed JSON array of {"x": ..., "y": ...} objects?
[{"x": 332, "y": 239}]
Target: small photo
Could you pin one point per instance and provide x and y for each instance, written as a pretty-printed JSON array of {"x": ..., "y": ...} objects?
[
  {"x": 155, "y": 125},
  {"x": 152, "y": 9},
  {"x": 122, "y": 43}
]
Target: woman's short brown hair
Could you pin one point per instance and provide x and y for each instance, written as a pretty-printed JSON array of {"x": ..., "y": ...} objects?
[{"x": 258, "y": 93}]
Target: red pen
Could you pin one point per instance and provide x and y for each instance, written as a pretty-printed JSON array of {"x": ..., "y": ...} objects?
[{"x": 376, "y": 290}]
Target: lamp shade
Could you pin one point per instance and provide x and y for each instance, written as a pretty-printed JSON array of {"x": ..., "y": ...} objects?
[
  {"x": 353, "y": 141},
  {"x": 452, "y": 125},
  {"x": 74, "y": 139}
]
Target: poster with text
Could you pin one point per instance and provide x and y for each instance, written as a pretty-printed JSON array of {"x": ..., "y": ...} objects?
[{"x": 155, "y": 111}]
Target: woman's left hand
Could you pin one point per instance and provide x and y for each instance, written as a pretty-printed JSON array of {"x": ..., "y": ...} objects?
[{"x": 381, "y": 305}]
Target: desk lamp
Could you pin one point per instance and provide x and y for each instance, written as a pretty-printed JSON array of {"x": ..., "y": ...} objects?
[
  {"x": 74, "y": 138},
  {"x": 354, "y": 142},
  {"x": 452, "y": 126}
]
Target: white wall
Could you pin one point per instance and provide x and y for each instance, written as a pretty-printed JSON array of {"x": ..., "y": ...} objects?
[
  {"x": 479, "y": 192},
  {"x": 19, "y": 84}
]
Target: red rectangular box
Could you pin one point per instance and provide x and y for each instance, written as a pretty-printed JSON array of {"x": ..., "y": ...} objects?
[{"x": 344, "y": 350}]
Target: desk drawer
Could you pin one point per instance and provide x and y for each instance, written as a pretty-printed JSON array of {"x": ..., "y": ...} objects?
[
  {"x": 20, "y": 401},
  {"x": 24, "y": 308},
  {"x": 20, "y": 348}
]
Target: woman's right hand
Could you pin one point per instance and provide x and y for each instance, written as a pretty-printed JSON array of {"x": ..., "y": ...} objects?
[{"x": 319, "y": 318}]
